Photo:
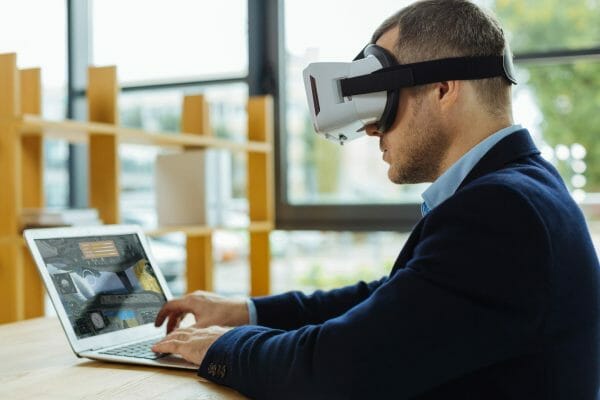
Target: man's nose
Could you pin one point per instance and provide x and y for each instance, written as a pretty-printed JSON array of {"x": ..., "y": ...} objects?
[{"x": 371, "y": 130}]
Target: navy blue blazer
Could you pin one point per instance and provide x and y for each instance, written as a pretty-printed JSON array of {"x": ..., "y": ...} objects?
[{"x": 494, "y": 296}]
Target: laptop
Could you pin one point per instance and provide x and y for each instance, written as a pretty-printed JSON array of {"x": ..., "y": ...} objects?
[{"x": 106, "y": 289}]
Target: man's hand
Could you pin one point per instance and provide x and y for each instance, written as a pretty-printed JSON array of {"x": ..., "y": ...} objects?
[
  {"x": 208, "y": 308},
  {"x": 190, "y": 343}
]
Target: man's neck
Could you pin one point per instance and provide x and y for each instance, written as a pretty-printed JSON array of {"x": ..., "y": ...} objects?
[{"x": 468, "y": 136}]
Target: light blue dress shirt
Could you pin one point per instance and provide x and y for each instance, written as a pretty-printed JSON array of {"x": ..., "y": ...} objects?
[
  {"x": 443, "y": 187},
  {"x": 449, "y": 181},
  {"x": 252, "y": 317}
]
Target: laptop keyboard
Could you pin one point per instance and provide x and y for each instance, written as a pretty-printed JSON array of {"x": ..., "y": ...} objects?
[{"x": 136, "y": 350}]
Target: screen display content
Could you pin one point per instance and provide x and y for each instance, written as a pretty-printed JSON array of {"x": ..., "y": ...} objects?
[{"x": 105, "y": 283}]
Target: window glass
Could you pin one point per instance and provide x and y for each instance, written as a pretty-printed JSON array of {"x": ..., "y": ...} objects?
[
  {"x": 319, "y": 171},
  {"x": 39, "y": 39},
  {"x": 306, "y": 260},
  {"x": 542, "y": 25},
  {"x": 562, "y": 103},
  {"x": 157, "y": 40}
]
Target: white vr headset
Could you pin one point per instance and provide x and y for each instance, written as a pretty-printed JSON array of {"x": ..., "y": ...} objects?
[{"x": 344, "y": 97}]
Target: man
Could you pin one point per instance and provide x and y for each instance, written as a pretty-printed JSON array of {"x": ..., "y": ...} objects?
[{"x": 495, "y": 293}]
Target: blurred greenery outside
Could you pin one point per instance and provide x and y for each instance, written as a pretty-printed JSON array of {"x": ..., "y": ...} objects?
[
  {"x": 318, "y": 276},
  {"x": 567, "y": 94}
]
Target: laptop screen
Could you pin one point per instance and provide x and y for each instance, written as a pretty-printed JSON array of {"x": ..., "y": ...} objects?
[{"x": 105, "y": 283}]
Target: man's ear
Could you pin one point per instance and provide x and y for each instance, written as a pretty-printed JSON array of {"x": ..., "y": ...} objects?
[{"x": 447, "y": 92}]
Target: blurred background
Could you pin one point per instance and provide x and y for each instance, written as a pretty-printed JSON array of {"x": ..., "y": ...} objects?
[{"x": 339, "y": 219}]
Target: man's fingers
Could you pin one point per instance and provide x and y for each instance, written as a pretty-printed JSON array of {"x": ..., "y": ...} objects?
[
  {"x": 168, "y": 346},
  {"x": 173, "y": 306},
  {"x": 179, "y": 334},
  {"x": 174, "y": 320}
]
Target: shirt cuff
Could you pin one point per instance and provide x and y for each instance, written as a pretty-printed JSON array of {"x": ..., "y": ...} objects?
[{"x": 252, "y": 317}]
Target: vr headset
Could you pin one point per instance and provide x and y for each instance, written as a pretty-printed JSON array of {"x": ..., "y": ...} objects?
[{"x": 345, "y": 97}]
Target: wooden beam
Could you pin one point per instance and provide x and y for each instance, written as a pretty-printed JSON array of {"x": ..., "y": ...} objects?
[
  {"x": 260, "y": 262},
  {"x": 32, "y": 167},
  {"x": 103, "y": 149},
  {"x": 199, "y": 263},
  {"x": 32, "y": 162},
  {"x": 260, "y": 180},
  {"x": 11, "y": 260},
  {"x": 77, "y": 132},
  {"x": 195, "y": 120}
]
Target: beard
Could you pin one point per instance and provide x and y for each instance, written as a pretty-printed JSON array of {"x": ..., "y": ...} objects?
[{"x": 425, "y": 147}]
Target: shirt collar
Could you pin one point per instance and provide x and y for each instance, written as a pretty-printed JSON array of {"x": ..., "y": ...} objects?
[{"x": 445, "y": 185}]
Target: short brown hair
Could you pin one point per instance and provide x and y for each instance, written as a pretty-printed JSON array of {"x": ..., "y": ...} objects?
[{"x": 433, "y": 29}]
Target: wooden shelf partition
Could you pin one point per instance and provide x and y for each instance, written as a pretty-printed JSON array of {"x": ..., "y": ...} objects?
[
  {"x": 78, "y": 132},
  {"x": 22, "y": 134}
]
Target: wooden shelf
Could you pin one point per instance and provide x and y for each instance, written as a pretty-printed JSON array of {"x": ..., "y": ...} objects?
[
  {"x": 11, "y": 240},
  {"x": 78, "y": 132},
  {"x": 22, "y": 135},
  {"x": 204, "y": 230}
]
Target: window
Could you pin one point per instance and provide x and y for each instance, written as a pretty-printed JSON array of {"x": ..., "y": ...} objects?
[
  {"x": 163, "y": 51},
  {"x": 42, "y": 46},
  {"x": 548, "y": 25},
  {"x": 175, "y": 40},
  {"x": 325, "y": 186},
  {"x": 556, "y": 47},
  {"x": 555, "y": 101},
  {"x": 319, "y": 171}
]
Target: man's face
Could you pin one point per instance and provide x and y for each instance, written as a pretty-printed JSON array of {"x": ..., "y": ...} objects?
[{"x": 416, "y": 143}]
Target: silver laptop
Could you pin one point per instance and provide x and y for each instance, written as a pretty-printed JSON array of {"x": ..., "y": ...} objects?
[{"x": 106, "y": 290}]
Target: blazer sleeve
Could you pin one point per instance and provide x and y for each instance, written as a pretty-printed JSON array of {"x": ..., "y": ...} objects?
[
  {"x": 293, "y": 310},
  {"x": 472, "y": 294}
]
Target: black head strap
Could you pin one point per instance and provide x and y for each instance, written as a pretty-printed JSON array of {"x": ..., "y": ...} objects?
[{"x": 421, "y": 73}]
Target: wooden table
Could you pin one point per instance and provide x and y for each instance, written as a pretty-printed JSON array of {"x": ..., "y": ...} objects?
[{"x": 36, "y": 362}]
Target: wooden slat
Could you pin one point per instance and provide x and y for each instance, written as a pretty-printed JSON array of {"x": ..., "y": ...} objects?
[
  {"x": 260, "y": 259},
  {"x": 11, "y": 261},
  {"x": 33, "y": 288},
  {"x": 195, "y": 116},
  {"x": 260, "y": 166},
  {"x": 103, "y": 149},
  {"x": 77, "y": 132},
  {"x": 32, "y": 162},
  {"x": 260, "y": 180},
  {"x": 32, "y": 166},
  {"x": 195, "y": 119},
  {"x": 199, "y": 263},
  {"x": 194, "y": 230}
]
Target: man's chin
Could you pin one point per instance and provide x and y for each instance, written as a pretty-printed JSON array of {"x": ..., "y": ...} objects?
[{"x": 404, "y": 177}]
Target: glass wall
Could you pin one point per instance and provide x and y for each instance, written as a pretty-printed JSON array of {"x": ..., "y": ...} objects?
[
  {"x": 39, "y": 39},
  {"x": 175, "y": 40},
  {"x": 167, "y": 43},
  {"x": 556, "y": 100},
  {"x": 319, "y": 171}
]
